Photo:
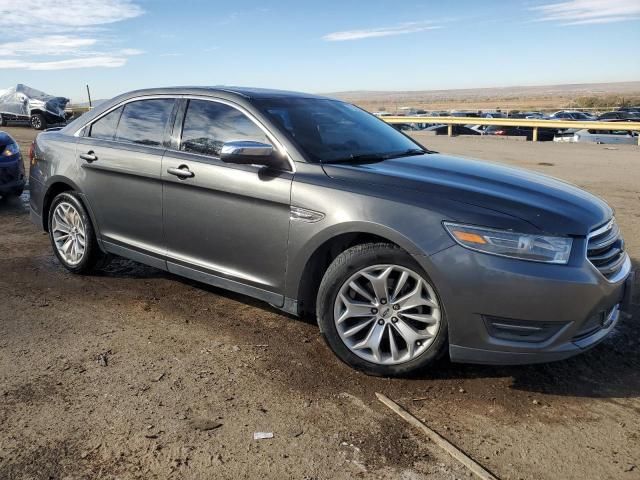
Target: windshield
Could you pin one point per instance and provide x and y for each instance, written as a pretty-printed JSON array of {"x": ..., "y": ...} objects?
[{"x": 332, "y": 131}]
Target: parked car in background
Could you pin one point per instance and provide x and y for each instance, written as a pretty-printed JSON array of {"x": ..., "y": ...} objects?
[
  {"x": 630, "y": 109},
  {"x": 406, "y": 127},
  {"x": 26, "y": 105},
  {"x": 311, "y": 204},
  {"x": 493, "y": 115},
  {"x": 12, "y": 179},
  {"x": 464, "y": 114},
  {"x": 598, "y": 136},
  {"x": 544, "y": 134},
  {"x": 532, "y": 115},
  {"x": 619, "y": 115},
  {"x": 457, "y": 130},
  {"x": 571, "y": 115}
]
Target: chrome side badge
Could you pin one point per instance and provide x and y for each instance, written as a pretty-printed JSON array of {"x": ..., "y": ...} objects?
[{"x": 305, "y": 215}]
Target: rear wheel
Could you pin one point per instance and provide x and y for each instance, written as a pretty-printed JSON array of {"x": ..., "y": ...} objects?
[
  {"x": 379, "y": 312},
  {"x": 38, "y": 121},
  {"x": 72, "y": 234}
]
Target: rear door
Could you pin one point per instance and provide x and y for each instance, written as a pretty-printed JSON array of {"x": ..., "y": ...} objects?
[
  {"x": 225, "y": 224},
  {"x": 120, "y": 160}
]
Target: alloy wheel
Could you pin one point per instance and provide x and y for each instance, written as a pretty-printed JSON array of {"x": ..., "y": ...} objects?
[
  {"x": 68, "y": 233},
  {"x": 387, "y": 314}
]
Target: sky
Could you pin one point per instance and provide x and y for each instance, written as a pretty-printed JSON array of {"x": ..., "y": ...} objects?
[{"x": 315, "y": 46}]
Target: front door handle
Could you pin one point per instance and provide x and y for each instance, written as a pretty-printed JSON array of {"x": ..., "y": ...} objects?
[
  {"x": 181, "y": 172},
  {"x": 90, "y": 156}
]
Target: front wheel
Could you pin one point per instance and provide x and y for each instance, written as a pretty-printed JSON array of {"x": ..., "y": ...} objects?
[
  {"x": 38, "y": 121},
  {"x": 379, "y": 312}
]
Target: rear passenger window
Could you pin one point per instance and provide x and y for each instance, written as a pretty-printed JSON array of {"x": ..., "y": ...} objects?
[
  {"x": 208, "y": 125},
  {"x": 106, "y": 127},
  {"x": 144, "y": 121}
]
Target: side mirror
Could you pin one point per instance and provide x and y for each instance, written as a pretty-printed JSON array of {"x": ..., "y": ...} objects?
[{"x": 249, "y": 153}]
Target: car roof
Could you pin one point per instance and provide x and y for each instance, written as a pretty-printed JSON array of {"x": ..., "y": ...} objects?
[
  {"x": 222, "y": 91},
  {"x": 246, "y": 92}
]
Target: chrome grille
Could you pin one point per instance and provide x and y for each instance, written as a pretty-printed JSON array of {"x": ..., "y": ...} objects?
[{"x": 605, "y": 249}]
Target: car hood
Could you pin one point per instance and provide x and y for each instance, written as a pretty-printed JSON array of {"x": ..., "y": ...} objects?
[{"x": 551, "y": 205}]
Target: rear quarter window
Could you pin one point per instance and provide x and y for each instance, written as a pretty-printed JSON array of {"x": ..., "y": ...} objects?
[
  {"x": 144, "y": 121},
  {"x": 105, "y": 127}
]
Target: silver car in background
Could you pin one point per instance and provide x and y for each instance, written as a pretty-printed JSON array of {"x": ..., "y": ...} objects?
[{"x": 585, "y": 135}]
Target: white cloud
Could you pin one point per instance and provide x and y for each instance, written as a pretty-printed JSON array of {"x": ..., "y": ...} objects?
[
  {"x": 70, "y": 29},
  {"x": 583, "y": 12},
  {"x": 63, "y": 14},
  {"x": 48, "y": 45},
  {"x": 88, "y": 62},
  {"x": 130, "y": 51},
  {"x": 401, "y": 29}
]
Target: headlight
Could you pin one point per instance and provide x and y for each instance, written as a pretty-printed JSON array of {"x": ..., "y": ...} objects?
[
  {"x": 10, "y": 149},
  {"x": 535, "y": 248}
]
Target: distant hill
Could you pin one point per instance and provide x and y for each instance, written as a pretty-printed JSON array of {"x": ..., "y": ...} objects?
[{"x": 540, "y": 96}]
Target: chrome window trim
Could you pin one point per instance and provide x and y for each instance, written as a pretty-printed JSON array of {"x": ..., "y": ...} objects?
[{"x": 272, "y": 137}]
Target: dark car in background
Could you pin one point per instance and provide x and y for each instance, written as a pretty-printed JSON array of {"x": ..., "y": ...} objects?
[
  {"x": 456, "y": 130},
  {"x": 619, "y": 115},
  {"x": 544, "y": 134},
  {"x": 571, "y": 115},
  {"x": 12, "y": 179},
  {"x": 630, "y": 109},
  {"x": 323, "y": 210}
]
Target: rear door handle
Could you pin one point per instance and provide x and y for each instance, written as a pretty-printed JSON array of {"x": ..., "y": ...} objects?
[
  {"x": 181, "y": 172},
  {"x": 90, "y": 156}
]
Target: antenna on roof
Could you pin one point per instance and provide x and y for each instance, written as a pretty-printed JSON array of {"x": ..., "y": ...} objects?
[{"x": 89, "y": 95}]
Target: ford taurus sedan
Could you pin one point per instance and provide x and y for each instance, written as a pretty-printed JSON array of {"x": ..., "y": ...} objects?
[{"x": 321, "y": 209}]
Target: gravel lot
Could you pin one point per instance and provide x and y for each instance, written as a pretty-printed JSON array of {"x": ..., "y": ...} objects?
[{"x": 135, "y": 373}]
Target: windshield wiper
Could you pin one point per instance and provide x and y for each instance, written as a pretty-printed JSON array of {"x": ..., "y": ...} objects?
[
  {"x": 377, "y": 157},
  {"x": 408, "y": 153}
]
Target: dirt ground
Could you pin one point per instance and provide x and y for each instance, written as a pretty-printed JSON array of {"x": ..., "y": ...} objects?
[{"x": 135, "y": 373}]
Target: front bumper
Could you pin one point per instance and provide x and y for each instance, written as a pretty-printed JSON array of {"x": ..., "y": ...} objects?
[
  {"x": 506, "y": 311},
  {"x": 11, "y": 175}
]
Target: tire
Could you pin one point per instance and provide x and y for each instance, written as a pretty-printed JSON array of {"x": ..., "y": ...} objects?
[
  {"x": 372, "y": 260},
  {"x": 3, "y": 122},
  {"x": 92, "y": 257},
  {"x": 38, "y": 121}
]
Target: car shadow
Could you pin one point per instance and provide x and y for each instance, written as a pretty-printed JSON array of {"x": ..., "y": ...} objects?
[
  {"x": 15, "y": 205},
  {"x": 609, "y": 370}
]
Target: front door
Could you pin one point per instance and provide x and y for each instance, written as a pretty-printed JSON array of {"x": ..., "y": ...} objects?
[
  {"x": 225, "y": 224},
  {"x": 120, "y": 158}
]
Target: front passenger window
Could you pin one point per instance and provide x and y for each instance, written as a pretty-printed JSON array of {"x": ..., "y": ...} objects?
[{"x": 208, "y": 125}]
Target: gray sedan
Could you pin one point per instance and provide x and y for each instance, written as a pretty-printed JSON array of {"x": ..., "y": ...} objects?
[{"x": 401, "y": 254}]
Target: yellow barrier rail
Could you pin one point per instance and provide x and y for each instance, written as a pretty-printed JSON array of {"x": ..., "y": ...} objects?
[{"x": 517, "y": 122}]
